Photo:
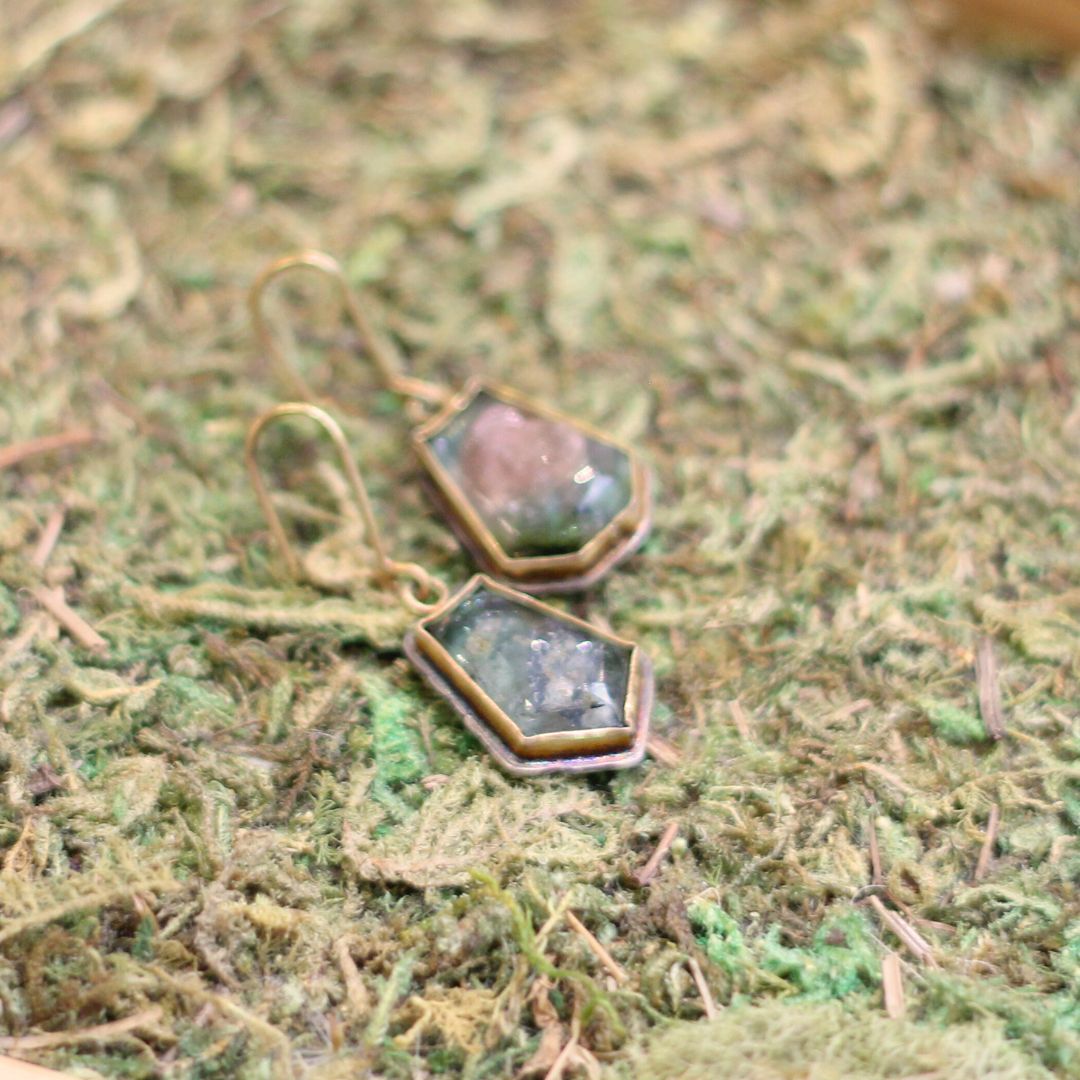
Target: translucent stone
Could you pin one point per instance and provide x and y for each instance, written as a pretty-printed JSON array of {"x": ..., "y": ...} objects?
[
  {"x": 546, "y": 674},
  {"x": 542, "y": 487}
]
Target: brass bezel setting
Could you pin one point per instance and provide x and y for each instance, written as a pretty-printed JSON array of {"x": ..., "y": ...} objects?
[
  {"x": 539, "y": 573},
  {"x": 524, "y": 755}
]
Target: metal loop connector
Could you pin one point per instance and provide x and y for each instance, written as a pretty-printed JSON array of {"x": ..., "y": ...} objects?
[
  {"x": 413, "y": 583},
  {"x": 416, "y": 390}
]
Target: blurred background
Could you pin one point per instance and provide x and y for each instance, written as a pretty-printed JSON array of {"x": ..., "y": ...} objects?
[{"x": 531, "y": 180}]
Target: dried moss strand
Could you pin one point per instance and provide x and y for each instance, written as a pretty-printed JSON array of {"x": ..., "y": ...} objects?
[
  {"x": 99, "y": 1033},
  {"x": 89, "y": 902}
]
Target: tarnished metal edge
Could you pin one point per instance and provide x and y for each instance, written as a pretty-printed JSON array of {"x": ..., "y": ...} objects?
[{"x": 523, "y": 767}]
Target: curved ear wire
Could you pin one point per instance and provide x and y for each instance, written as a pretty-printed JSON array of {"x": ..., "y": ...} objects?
[
  {"x": 388, "y": 570},
  {"x": 381, "y": 356}
]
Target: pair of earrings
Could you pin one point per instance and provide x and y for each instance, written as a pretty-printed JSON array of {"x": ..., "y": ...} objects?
[{"x": 544, "y": 504}]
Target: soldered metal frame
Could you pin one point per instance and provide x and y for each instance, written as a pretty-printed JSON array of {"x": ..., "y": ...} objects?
[
  {"x": 568, "y": 572},
  {"x": 590, "y": 750}
]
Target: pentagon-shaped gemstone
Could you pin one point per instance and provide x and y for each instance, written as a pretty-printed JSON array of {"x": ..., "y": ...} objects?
[
  {"x": 549, "y": 675},
  {"x": 541, "y": 486}
]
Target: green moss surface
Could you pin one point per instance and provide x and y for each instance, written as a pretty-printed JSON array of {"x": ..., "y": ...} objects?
[{"x": 817, "y": 264}]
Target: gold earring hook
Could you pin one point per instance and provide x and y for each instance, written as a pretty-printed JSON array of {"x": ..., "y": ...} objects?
[
  {"x": 382, "y": 357},
  {"x": 388, "y": 570}
]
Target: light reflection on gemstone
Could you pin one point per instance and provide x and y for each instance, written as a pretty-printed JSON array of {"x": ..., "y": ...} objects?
[
  {"x": 541, "y": 486},
  {"x": 573, "y": 682}
]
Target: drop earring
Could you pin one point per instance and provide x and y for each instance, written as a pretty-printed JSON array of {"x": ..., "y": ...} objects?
[
  {"x": 542, "y": 501},
  {"x": 541, "y": 690}
]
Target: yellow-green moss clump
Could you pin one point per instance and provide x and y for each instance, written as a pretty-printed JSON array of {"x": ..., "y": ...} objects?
[{"x": 828, "y": 1042}]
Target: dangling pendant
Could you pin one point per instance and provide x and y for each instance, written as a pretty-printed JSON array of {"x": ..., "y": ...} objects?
[
  {"x": 543, "y": 691},
  {"x": 538, "y": 499}
]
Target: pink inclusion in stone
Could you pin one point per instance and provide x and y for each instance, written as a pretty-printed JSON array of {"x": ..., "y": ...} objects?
[
  {"x": 508, "y": 456},
  {"x": 541, "y": 486}
]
